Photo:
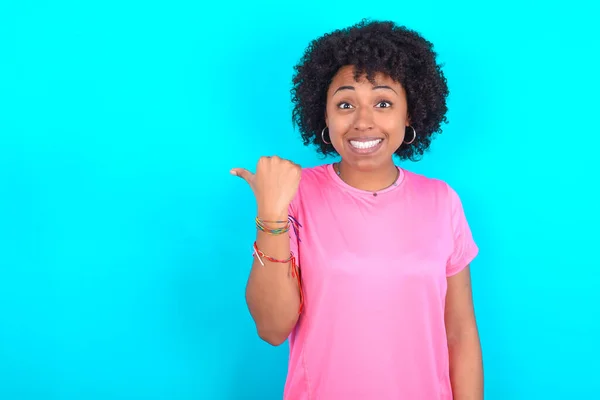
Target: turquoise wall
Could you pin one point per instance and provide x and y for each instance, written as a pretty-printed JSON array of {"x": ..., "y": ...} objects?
[{"x": 125, "y": 243}]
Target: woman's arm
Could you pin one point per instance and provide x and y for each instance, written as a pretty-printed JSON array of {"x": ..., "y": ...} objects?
[
  {"x": 272, "y": 293},
  {"x": 466, "y": 365}
]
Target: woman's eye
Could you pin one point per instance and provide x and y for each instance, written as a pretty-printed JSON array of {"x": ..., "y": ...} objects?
[
  {"x": 384, "y": 104},
  {"x": 345, "y": 106}
]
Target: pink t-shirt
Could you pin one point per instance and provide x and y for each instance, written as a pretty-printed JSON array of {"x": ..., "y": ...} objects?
[{"x": 374, "y": 271}]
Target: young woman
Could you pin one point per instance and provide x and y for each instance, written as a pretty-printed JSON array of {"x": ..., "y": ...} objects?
[{"x": 363, "y": 265}]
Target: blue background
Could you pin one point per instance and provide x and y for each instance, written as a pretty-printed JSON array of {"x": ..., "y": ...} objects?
[{"x": 125, "y": 243}]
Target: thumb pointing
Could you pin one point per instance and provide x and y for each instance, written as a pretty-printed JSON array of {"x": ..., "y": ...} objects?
[{"x": 242, "y": 173}]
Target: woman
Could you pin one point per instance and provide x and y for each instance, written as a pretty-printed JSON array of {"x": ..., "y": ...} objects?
[{"x": 383, "y": 309}]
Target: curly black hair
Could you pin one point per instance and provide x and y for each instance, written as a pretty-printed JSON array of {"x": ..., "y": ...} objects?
[{"x": 372, "y": 47}]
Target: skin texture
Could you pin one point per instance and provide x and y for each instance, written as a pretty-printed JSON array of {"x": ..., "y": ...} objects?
[{"x": 363, "y": 109}]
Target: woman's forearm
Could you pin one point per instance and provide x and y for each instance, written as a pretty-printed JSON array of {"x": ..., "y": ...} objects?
[
  {"x": 272, "y": 293},
  {"x": 466, "y": 366}
]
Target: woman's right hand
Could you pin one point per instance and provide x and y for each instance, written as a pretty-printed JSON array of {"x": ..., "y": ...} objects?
[{"x": 274, "y": 184}]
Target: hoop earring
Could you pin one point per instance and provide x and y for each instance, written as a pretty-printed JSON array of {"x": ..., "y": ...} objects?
[
  {"x": 414, "y": 135},
  {"x": 323, "y": 136}
]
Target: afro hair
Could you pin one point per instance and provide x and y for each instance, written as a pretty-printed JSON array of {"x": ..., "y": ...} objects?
[{"x": 371, "y": 47}]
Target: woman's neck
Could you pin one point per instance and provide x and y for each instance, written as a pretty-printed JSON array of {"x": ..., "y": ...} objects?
[{"x": 372, "y": 181}]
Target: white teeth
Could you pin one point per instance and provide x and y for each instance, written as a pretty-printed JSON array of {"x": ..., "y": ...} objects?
[{"x": 365, "y": 145}]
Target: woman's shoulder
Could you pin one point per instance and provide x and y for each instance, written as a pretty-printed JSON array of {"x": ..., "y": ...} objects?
[
  {"x": 314, "y": 176},
  {"x": 427, "y": 185},
  {"x": 312, "y": 180},
  {"x": 315, "y": 171}
]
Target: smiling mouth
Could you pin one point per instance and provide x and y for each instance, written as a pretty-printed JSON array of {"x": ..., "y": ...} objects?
[{"x": 365, "y": 144}]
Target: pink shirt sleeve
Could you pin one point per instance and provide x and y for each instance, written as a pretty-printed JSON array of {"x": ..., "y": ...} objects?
[{"x": 464, "y": 248}]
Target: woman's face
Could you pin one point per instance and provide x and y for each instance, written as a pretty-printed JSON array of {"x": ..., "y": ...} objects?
[{"x": 366, "y": 121}]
